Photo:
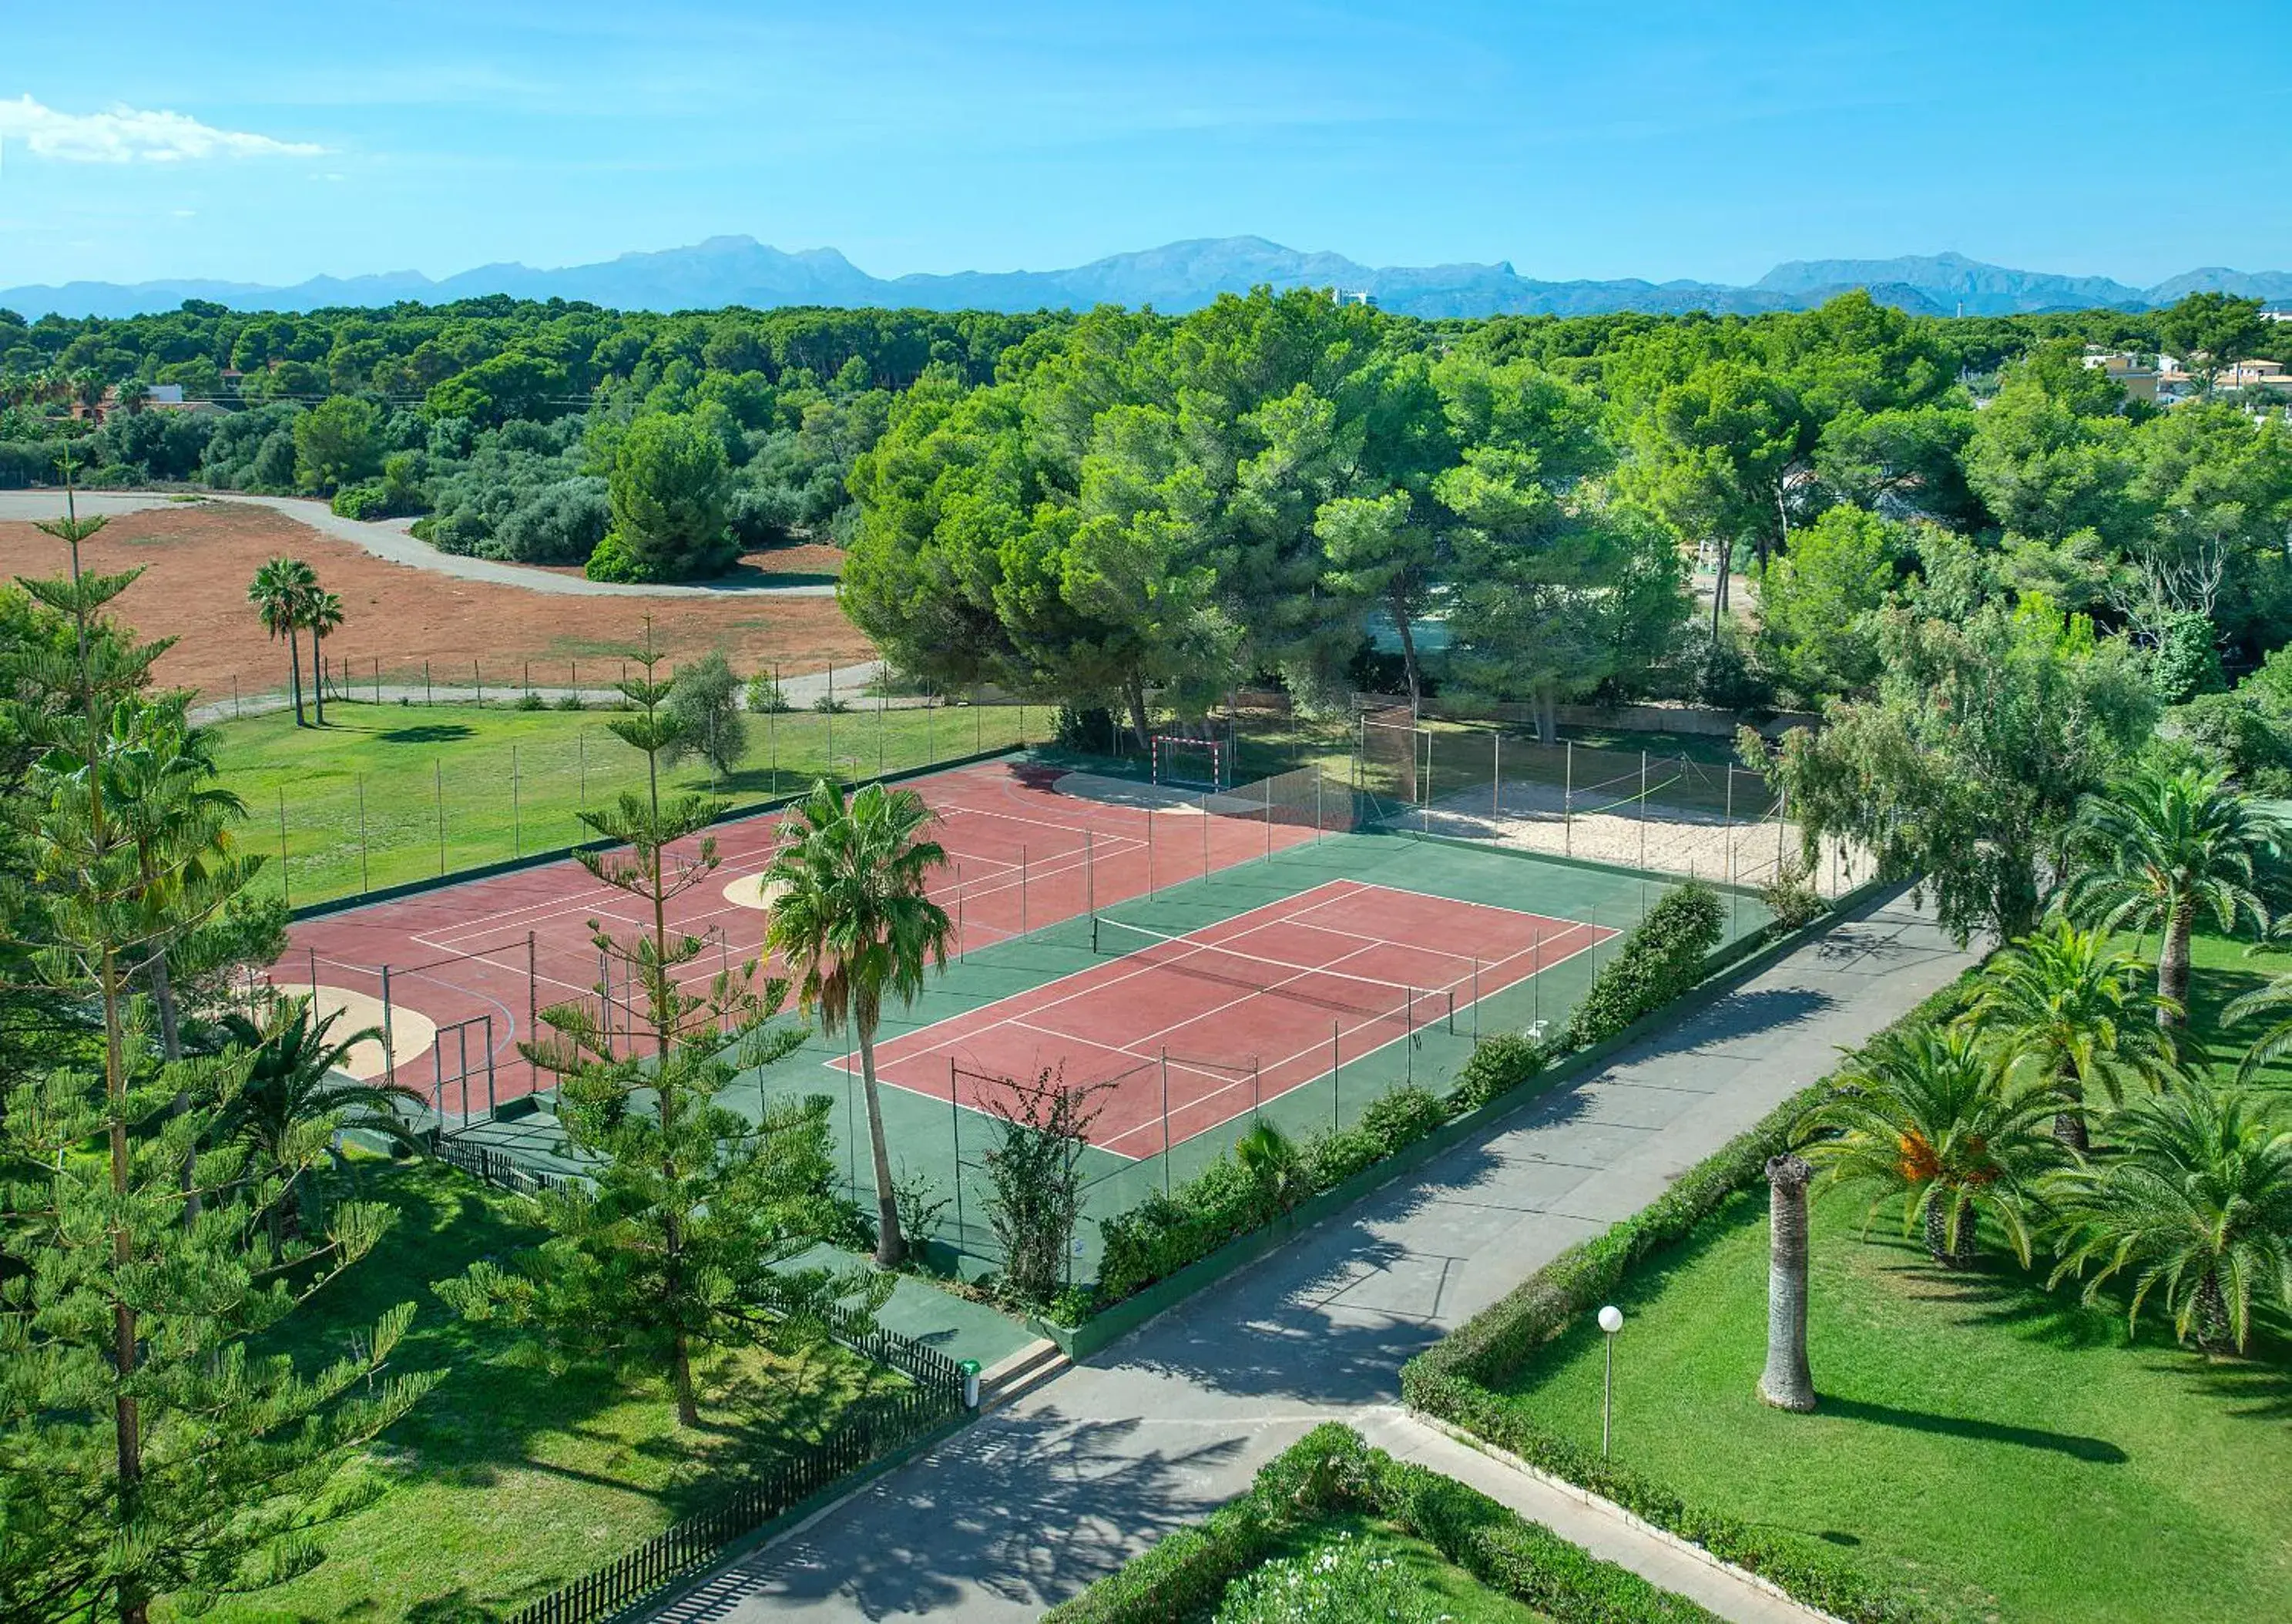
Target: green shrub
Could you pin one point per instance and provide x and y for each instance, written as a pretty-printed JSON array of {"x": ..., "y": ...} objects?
[
  {"x": 1659, "y": 960},
  {"x": 611, "y": 561},
  {"x": 764, "y": 696},
  {"x": 570, "y": 702},
  {"x": 1193, "y": 1573},
  {"x": 531, "y": 701},
  {"x": 1789, "y": 896},
  {"x": 1497, "y": 1065}
]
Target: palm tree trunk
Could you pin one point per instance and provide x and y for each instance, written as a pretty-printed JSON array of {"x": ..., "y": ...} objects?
[
  {"x": 2068, "y": 1124},
  {"x": 1787, "y": 1383},
  {"x": 2173, "y": 964},
  {"x": 1938, "y": 1244},
  {"x": 318, "y": 675},
  {"x": 294, "y": 668},
  {"x": 2211, "y": 1321},
  {"x": 891, "y": 1246}
]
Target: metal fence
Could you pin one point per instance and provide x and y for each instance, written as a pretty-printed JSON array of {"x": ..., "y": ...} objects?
[
  {"x": 466, "y": 805},
  {"x": 870, "y": 1430},
  {"x": 1663, "y": 812}
]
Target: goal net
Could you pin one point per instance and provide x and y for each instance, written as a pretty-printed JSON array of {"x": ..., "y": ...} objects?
[{"x": 1192, "y": 763}]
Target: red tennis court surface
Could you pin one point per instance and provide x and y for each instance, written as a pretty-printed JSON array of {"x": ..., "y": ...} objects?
[
  {"x": 1191, "y": 1031},
  {"x": 490, "y": 952}
]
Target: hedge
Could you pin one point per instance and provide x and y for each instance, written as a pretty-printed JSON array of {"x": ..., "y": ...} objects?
[
  {"x": 1331, "y": 1470},
  {"x": 1662, "y": 957},
  {"x": 1453, "y": 1379}
]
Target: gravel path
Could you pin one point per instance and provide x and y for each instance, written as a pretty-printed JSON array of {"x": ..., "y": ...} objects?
[{"x": 392, "y": 539}]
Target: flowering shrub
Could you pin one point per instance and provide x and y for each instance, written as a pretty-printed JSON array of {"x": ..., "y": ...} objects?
[{"x": 1339, "y": 1581}]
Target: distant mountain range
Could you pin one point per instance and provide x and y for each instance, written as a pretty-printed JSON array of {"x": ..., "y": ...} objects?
[{"x": 1179, "y": 275}]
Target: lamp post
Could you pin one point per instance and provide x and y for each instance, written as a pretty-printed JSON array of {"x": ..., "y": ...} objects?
[{"x": 1612, "y": 1321}]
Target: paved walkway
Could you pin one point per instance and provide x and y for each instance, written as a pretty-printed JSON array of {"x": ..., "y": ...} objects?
[
  {"x": 1032, "y": 1503},
  {"x": 393, "y": 540}
]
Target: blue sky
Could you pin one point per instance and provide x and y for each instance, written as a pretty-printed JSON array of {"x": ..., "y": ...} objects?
[{"x": 1658, "y": 138}]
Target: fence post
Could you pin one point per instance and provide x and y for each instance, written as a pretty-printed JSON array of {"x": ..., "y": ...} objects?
[
  {"x": 1205, "y": 836},
  {"x": 1266, "y": 787},
  {"x": 1336, "y": 1089},
  {"x": 1536, "y": 982},
  {"x": 1165, "y": 1056},
  {"x": 478, "y": 680},
  {"x": 285, "y": 896},
  {"x": 389, "y": 1042},
  {"x": 1568, "y": 800},
  {"x": 516, "y": 827},
  {"x": 235, "y": 712},
  {"x": 532, "y": 1007},
  {"x": 581, "y": 755},
  {"x": 1643, "y": 824},
  {"x": 955, "y": 1122},
  {"x": 1496, "y": 777},
  {"x": 427, "y": 700},
  {"x": 364, "y": 886},
  {"x": 1023, "y": 888},
  {"x": 1089, "y": 876},
  {"x": 438, "y": 768},
  {"x": 377, "y": 679}
]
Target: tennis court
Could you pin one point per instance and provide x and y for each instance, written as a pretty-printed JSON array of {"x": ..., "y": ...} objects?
[
  {"x": 460, "y": 974},
  {"x": 1178, "y": 1035}
]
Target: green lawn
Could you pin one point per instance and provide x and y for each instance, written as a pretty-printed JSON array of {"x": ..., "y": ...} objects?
[
  {"x": 385, "y": 793},
  {"x": 2222, "y": 972},
  {"x": 506, "y": 1483},
  {"x": 1440, "y": 1589},
  {"x": 1998, "y": 1448}
]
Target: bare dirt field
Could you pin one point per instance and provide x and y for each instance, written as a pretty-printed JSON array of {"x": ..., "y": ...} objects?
[{"x": 197, "y": 560}]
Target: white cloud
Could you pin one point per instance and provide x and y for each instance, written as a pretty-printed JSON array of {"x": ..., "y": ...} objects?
[{"x": 126, "y": 135}]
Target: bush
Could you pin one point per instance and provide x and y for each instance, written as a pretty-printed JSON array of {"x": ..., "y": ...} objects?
[
  {"x": 764, "y": 696},
  {"x": 612, "y": 562},
  {"x": 570, "y": 702},
  {"x": 1659, "y": 960},
  {"x": 1497, "y": 1065},
  {"x": 1217, "y": 1565},
  {"x": 531, "y": 701},
  {"x": 1793, "y": 902}
]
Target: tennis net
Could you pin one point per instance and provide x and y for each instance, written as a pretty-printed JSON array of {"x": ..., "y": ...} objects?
[{"x": 1411, "y": 1008}]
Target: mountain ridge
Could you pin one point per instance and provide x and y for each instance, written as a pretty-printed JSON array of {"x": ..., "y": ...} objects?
[{"x": 1176, "y": 277}]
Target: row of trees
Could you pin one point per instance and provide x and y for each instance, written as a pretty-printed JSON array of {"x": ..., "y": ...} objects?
[{"x": 2068, "y": 1108}]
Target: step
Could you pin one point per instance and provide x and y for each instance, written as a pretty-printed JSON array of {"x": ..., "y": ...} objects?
[{"x": 1020, "y": 1374}]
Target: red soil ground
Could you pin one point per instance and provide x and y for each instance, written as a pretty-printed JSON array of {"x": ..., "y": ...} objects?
[{"x": 197, "y": 560}]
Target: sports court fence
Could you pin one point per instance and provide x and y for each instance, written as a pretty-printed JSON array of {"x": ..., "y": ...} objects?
[
  {"x": 333, "y": 837},
  {"x": 1664, "y": 812}
]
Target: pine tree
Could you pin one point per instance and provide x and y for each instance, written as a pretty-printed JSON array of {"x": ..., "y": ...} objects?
[
  {"x": 674, "y": 1244},
  {"x": 145, "y": 1449}
]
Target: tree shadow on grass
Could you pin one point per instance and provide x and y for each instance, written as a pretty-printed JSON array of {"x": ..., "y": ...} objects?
[
  {"x": 2096, "y": 1449},
  {"x": 427, "y": 732}
]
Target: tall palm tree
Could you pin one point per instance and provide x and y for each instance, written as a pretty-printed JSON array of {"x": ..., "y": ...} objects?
[
  {"x": 323, "y": 614},
  {"x": 2064, "y": 1005},
  {"x": 298, "y": 1095},
  {"x": 2160, "y": 847},
  {"x": 280, "y": 593},
  {"x": 850, "y": 917},
  {"x": 1931, "y": 1119},
  {"x": 2198, "y": 1207}
]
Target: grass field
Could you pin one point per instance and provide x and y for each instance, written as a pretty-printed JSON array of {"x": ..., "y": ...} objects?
[
  {"x": 385, "y": 793},
  {"x": 2000, "y": 1448},
  {"x": 506, "y": 1483}
]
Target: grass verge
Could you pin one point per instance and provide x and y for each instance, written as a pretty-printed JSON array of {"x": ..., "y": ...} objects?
[{"x": 507, "y": 1482}]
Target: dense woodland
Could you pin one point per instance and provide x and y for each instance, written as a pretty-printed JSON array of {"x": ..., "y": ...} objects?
[{"x": 1095, "y": 508}]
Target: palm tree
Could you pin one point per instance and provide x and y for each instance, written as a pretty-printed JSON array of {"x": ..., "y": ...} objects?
[
  {"x": 280, "y": 593},
  {"x": 2065, "y": 1007},
  {"x": 298, "y": 1095},
  {"x": 1787, "y": 1383},
  {"x": 323, "y": 614},
  {"x": 1931, "y": 1119},
  {"x": 851, "y": 919},
  {"x": 2162, "y": 845},
  {"x": 2198, "y": 1206}
]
